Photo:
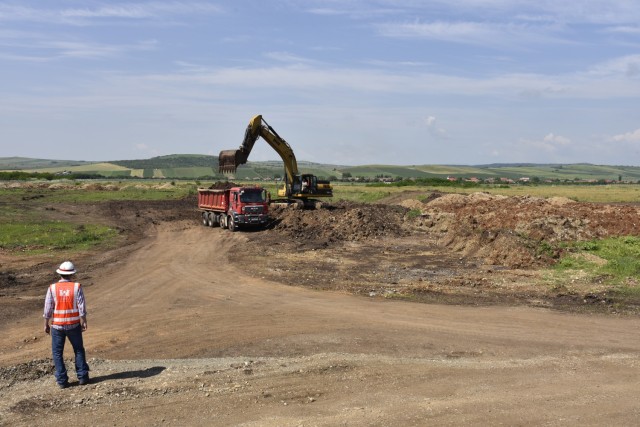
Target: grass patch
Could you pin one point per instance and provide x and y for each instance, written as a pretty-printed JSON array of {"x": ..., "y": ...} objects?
[
  {"x": 82, "y": 195},
  {"x": 615, "y": 261},
  {"x": 35, "y": 238},
  {"x": 414, "y": 213}
]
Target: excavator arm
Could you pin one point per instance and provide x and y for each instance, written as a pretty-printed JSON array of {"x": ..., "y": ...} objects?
[
  {"x": 229, "y": 160},
  {"x": 296, "y": 186}
]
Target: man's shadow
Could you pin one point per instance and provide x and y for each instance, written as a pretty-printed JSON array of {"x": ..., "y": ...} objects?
[{"x": 144, "y": 373}]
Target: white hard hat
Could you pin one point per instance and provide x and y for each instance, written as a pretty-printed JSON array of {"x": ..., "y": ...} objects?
[{"x": 66, "y": 269}]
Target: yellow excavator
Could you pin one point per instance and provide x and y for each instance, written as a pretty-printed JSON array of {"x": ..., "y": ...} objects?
[{"x": 298, "y": 189}]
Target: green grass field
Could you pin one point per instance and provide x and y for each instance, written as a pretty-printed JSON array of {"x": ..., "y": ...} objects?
[{"x": 629, "y": 193}]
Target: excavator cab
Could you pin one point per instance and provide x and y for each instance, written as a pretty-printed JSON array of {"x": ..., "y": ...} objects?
[{"x": 308, "y": 185}]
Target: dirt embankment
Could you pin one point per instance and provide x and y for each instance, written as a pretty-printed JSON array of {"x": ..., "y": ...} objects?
[
  {"x": 522, "y": 231},
  {"x": 475, "y": 248}
]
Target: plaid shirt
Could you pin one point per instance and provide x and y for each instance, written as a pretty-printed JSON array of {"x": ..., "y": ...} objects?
[{"x": 49, "y": 306}]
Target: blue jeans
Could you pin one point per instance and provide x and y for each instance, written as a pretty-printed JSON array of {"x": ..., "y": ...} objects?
[{"x": 58, "y": 338}]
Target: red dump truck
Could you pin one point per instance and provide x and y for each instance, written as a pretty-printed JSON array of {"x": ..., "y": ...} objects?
[{"x": 234, "y": 207}]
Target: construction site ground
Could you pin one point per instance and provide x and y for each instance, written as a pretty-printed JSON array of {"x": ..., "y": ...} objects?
[{"x": 424, "y": 309}]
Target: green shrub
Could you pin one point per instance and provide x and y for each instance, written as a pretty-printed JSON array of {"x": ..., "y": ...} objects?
[{"x": 414, "y": 213}]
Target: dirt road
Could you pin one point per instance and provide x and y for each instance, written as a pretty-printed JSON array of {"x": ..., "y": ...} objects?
[{"x": 180, "y": 337}]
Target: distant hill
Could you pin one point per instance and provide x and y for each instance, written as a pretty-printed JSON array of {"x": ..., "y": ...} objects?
[
  {"x": 188, "y": 166},
  {"x": 197, "y": 166},
  {"x": 170, "y": 161},
  {"x": 20, "y": 163}
]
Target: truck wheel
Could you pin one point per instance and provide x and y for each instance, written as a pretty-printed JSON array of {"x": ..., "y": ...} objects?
[
  {"x": 232, "y": 224},
  {"x": 205, "y": 218},
  {"x": 211, "y": 219},
  {"x": 223, "y": 221}
]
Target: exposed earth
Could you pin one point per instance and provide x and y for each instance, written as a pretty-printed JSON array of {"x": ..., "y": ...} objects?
[{"x": 425, "y": 309}]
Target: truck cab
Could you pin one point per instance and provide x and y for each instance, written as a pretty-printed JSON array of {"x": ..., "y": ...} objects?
[{"x": 248, "y": 206}]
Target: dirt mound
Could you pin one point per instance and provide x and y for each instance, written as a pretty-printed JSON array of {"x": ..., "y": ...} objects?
[
  {"x": 520, "y": 231},
  {"x": 222, "y": 185},
  {"x": 344, "y": 221},
  {"x": 515, "y": 232}
]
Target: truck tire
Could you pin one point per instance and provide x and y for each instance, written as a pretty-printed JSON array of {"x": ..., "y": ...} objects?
[
  {"x": 223, "y": 221},
  {"x": 205, "y": 218},
  {"x": 232, "y": 224},
  {"x": 211, "y": 222}
]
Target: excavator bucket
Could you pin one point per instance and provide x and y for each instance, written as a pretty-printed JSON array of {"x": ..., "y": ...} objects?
[{"x": 227, "y": 161}]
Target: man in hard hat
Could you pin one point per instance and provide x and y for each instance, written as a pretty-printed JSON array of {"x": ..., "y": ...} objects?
[{"x": 65, "y": 317}]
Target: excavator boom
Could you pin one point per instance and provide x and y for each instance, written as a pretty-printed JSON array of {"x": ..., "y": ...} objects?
[{"x": 296, "y": 186}]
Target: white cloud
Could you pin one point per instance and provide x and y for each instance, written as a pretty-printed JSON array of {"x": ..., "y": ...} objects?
[
  {"x": 124, "y": 11},
  {"x": 143, "y": 10},
  {"x": 301, "y": 76},
  {"x": 84, "y": 15},
  {"x": 633, "y": 136},
  {"x": 37, "y": 47},
  {"x": 591, "y": 11},
  {"x": 94, "y": 50},
  {"x": 434, "y": 129},
  {"x": 628, "y": 66},
  {"x": 556, "y": 140},
  {"x": 625, "y": 29},
  {"x": 288, "y": 57},
  {"x": 550, "y": 143},
  {"x": 475, "y": 33},
  {"x": 454, "y": 31}
]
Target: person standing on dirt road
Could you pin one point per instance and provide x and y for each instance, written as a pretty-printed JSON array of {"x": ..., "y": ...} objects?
[{"x": 65, "y": 316}]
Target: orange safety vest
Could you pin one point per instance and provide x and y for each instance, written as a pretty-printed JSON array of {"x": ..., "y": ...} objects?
[{"x": 66, "y": 306}]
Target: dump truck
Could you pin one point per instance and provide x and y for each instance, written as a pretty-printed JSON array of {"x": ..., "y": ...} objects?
[
  {"x": 234, "y": 207},
  {"x": 298, "y": 189}
]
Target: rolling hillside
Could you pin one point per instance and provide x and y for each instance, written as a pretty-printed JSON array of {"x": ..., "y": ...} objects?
[{"x": 196, "y": 166}]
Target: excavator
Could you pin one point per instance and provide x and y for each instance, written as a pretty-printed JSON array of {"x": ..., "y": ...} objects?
[{"x": 298, "y": 189}]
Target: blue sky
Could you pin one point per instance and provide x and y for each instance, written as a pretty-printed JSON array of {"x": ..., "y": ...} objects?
[{"x": 345, "y": 82}]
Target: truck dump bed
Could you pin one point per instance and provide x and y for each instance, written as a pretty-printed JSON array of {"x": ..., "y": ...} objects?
[{"x": 213, "y": 199}]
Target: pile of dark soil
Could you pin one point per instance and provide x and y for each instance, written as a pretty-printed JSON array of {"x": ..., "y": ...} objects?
[
  {"x": 222, "y": 185},
  {"x": 341, "y": 222}
]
